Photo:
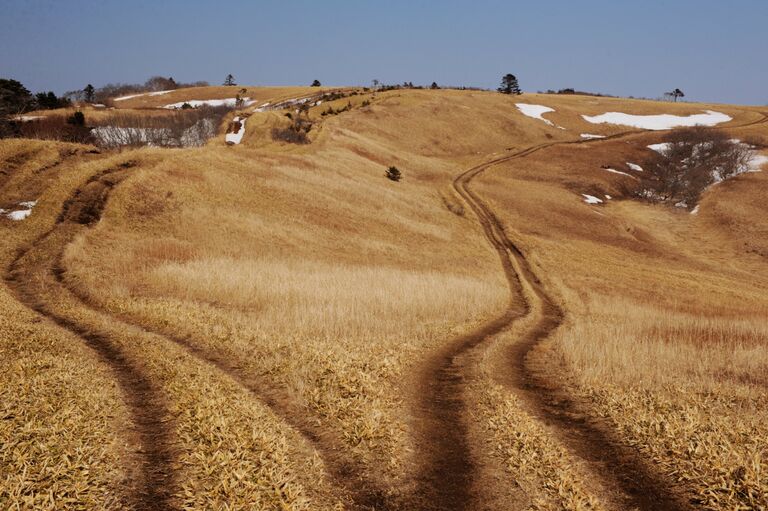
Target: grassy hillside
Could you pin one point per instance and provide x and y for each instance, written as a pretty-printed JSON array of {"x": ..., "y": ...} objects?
[{"x": 272, "y": 319}]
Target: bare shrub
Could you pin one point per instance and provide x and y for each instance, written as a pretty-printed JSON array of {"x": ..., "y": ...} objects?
[
  {"x": 178, "y": 128},
  {"x": 56, "y": 127},
  {"x": 290, "y": 135},
  {"x": 690, "y": 160}
]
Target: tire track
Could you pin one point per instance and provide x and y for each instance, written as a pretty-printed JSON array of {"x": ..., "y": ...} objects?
[
  {"x": 356, "y": 489},
  {"x": 447, "y": 473},
  {"x": 30, "y": 277},
  {"x": 632, "y": 483}
]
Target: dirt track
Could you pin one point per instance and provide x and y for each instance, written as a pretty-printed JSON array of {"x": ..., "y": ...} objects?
[
  {"x": 32, "y": 276},
  {"x": 446, "y": 474}
]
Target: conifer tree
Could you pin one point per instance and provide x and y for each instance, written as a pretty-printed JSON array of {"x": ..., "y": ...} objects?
[{"x": 509, "y": 85}]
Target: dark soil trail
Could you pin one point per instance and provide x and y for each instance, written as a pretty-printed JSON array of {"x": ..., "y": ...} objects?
[
  {"x": 359, "y": 492},
  {"x": 447, "y": 476},
  {"x": 32, "y": 276}
]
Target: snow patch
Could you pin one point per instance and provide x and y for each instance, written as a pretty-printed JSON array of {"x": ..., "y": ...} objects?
[
  {"x": 589, "y": 136},
  {"x": 608, "y": 197},
  {"x": 659, "y": 122},
  {"x": 159, "y": 92},
  {"x": 535, "y": 111},
  {"x": 235, "y": 138},
  {"x": 21, "y": 214},
  {"x": 619, "y": 172},
  {"x": 660, "y": 148},
  {"x": 123, "y": 98},
  {"x": 695, "y": 211},
  {"x": 756, "y": 162},
  {"x": 195, "y": 103},
  {"x": 591, "y": 199},
  {"x": 635, "y": 167}
]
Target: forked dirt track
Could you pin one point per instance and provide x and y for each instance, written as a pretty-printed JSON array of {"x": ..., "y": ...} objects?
[
  {"x": 41, "y": 262},
  {"x": 31, "y": 276},
  {"x": 446, "y": 473}
]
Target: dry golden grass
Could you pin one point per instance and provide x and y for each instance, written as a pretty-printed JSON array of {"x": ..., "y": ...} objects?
[
  {"x": 334, "y": 307},
  {"x": 329, "y": 285},
  {"x": 665, "y": 331}
]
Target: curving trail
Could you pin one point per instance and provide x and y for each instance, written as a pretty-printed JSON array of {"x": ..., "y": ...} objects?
[
  {"x": 32, "y": 278},
  {"x": 446, "y": 471},
  {"x": 84, "y": 208}
]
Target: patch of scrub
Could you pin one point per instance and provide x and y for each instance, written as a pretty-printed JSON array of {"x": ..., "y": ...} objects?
[
  {"x": 21, "y": 214},
  {"x": 591, "y": 199},
  {"x": 590, "y": 136},
  {"x": 635, "y": 167},
  {"x": 195, "y": 103},
  {"x": 659, "y": 122},
  {"x": 535, "y": 111},
  {"x": 237, "y": 137}
]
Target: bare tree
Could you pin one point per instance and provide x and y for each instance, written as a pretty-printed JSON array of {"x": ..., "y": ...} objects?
[{"x": 691, "y": 160}]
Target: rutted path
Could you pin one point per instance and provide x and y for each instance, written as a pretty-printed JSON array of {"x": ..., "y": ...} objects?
[
  {"x": 447, "y": 468},
  {"x": 85, "y": 208},
  {"x": 447, "y": 476},
  {"x": 33, "y": 280}
]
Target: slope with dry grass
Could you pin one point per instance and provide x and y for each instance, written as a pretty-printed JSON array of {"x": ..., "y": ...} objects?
[{"x": 295, "y": 287}]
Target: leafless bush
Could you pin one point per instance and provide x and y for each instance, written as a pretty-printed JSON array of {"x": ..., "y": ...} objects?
[
  {"x": 290, "y": 135},
  {"x": 178, "y": 128},
  {"x": 690, "y": 160},
  {"x": 55, "y": 127}
]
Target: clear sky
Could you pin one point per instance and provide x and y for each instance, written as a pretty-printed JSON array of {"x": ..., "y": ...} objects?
[{"x": 713, "y": 50}]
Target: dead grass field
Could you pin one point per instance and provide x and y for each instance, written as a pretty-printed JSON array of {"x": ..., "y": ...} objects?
[{"x": 283, "y": 299}]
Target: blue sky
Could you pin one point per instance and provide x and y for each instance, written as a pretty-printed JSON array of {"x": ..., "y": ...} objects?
[{"x": 713, "y": 50}]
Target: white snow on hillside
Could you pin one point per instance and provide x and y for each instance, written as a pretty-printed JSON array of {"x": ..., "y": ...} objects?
[
  {"x": 115, "y": 136},
  {"x": 660, "y": 148},
  {"x": 131, "y": 96},
  {"x": 235, "y": 138},
  {"x": 21, "y": 214},
  {"x": 620, "y": 172},
  {"x": 591, "y": 199},
  {"x": 756, "y": 163},
  {"x": 635, "y": 167},
  {"x": 659, "y": 122},
  {"x": 27, "y": 118},
  {"x": 194, "y": 103},
  {"x": 535, "y": 111},
  {"x": 590, "y": 136}
]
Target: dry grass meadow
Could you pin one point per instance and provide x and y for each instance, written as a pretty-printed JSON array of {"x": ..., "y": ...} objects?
[{"x": 263, "y": 317}]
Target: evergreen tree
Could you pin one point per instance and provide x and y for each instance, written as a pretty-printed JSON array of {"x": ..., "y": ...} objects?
[
  {"x": 316, "y": 83},
  {"x": 229, "y": 80},
  {"x": 89, "y": 93},
  {"x": 434, "y": 86},
  {"x": 677, "y": 93},
  {"x": 14, "y": 97},
  {"x": 509, "y": 85}
]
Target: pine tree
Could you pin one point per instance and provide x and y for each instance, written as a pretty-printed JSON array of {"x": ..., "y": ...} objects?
[
  {"x": 316, "y": 83},
  {"x": 434, "y": 86},
  {"x": 89, "y": 92},
  {"x": 677, "y": 93},
  {"x": 229, "y": 80},
  {"x": 509, "y": 85}
]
